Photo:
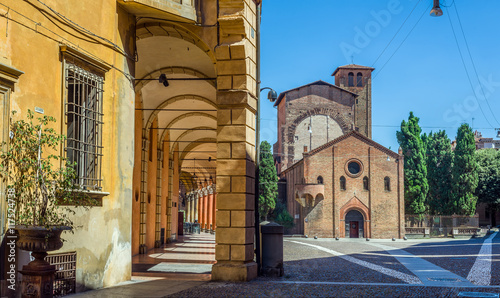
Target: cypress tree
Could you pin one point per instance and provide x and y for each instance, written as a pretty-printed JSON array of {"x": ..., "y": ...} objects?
[
  {"x": 488, "y": 189},
  {"x": 439, "y": 162},
  {"x": 268, "y": 181},
  {"x": 464, "y": 172},
  {"x": 415, "y": 181}
]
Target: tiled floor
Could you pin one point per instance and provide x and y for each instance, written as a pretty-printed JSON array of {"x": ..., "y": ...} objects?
[{"x": 191, "y": 258}]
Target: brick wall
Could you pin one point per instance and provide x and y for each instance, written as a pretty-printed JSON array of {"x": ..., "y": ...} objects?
[
  {"x": 384, "y": 209},
  {"x": 363, "y": 107},
  {"x": 320, "y": 105}
]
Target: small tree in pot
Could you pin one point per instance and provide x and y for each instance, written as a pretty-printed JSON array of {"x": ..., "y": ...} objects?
[{"x": 40, "y": 187}]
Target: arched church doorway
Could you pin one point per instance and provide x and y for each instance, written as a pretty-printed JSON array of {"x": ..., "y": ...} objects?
[{"x": 354, "y": 223}]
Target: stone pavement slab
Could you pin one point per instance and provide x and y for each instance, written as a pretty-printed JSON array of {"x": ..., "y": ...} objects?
[{"x": 142, "y": 288}]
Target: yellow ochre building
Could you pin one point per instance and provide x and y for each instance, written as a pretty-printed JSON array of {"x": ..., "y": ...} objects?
[{"x": 171, "y": 89}]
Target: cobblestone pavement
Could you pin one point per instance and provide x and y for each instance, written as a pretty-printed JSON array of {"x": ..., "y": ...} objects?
[
  {"x": 358, "y": 268},
  {"x": 355, "y": 268}
]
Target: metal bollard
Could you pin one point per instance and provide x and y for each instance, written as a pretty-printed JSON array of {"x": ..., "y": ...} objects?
[{"x": 271, "y": 249}]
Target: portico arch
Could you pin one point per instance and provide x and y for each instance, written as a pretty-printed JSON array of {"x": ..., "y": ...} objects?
[{"x": 175, "y": 30}]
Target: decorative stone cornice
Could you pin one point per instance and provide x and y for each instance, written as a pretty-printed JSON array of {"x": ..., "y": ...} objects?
[
  {"x": 9, "y": 74},
  {"x": 97, "y": 63}
]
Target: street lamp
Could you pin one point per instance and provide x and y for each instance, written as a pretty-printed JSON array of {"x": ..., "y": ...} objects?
[
  {"x": 436, "y": 10},
  {"x": 272, "y": 96}
]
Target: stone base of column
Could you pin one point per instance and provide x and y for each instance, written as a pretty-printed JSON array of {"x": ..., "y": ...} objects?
[{"x": 234, "y": 272}]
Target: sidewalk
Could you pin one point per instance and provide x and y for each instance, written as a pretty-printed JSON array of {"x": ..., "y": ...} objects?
[
  {"x": 165, "y": 271},
  {"x": 139, "y": 287}
]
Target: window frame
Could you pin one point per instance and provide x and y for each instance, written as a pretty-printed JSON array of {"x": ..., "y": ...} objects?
[
  {"x": 85, "y": 64},
  {"x": 366, "y": 183},
  {"x": 359, "y": 79},
  {"x": 387, "y": 183},
  {"x": 9, "y": 77},
  {"x": 350, "y": 79},
  {"x": 343, "y": 183},
  {"x": 360, "y": 164}
]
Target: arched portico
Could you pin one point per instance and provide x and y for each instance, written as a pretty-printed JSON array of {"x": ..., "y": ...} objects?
[
  {"x": 197, "y": 130},
  {"x": 169, "y": 120}
]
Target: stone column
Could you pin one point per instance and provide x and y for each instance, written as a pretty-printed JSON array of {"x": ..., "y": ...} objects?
[
  {"x": 214, "y": 220},
  {"x": 200, "y": 206},
  {"x": 202, "y": 211},
  {"x": 237, "y": 104},
  {"x": 187, "y": 208},
  {"x": 196, "y": 205},
  {"x": 191, "y": 203},
  {"x": 193, "y": 207},
  {"x": 210, "y": 208},
  {"x": 206, "y": 225}
]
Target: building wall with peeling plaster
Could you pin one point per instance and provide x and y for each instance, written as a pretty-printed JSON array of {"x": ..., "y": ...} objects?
[{"x": 30, "y": 39}]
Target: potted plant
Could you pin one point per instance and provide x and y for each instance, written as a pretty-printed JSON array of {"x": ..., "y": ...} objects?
[{"x": 40, "y": 187}]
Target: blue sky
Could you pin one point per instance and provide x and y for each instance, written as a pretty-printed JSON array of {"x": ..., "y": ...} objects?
[{"x": 305, "y": 41}]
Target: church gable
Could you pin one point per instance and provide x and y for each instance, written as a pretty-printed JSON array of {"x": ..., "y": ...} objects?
[
  {"x": 357, "y": 136},
  {"x": 319, "y": 89}
]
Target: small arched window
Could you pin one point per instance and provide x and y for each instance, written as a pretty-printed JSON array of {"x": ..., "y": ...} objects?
[
  {"x": 387, "y": 184},
  {"x": 350, "y": 81},
  {"x": 320, "y": 180},
  {"x": 366, "y": 183},
  {"x": 342, "y": 183},
  {"x": 359, "y": 80}
]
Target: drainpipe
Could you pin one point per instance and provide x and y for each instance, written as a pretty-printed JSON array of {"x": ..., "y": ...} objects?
[{"x": 257, "y": 143}]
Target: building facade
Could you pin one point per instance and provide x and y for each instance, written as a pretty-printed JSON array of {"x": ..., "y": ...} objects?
[
  {"x": 171, "y": 88},
  {"x": 335, "y": 180},
  {"x": 304, "y": 113},
  {"x": 350, "y": 187}
]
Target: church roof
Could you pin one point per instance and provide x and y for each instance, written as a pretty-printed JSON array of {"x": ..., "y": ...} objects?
[
  {"x": 352, "y": 66},
  {"x": 358, "y": 136},
  {"x": 319, "y": 82}
]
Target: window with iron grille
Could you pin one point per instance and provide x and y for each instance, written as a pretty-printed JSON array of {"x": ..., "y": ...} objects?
[{"x": 83, "y": 111}]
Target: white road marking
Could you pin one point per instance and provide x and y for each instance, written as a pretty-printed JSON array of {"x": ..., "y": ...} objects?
[
  {"x": 428, "y": 273},
  {"x": 393, "y": 273},
  {"x": 480, "y": 273},
  {"x": 456, "y": 285}
]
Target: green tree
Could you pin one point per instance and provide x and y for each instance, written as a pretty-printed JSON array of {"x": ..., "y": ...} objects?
[
  {"x": 268, "y": 181},
  {"x": 488, "y": 188},
  {"x": 415, "y": 169},
  {"x": 464, "y": 172},
  {"x": 281, "y": 215},
  {"x": 439, "y": 162}
]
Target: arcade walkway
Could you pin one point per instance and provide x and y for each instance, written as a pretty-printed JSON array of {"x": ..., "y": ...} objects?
[
  {"x": 190, "y": 258},
  {"x": 164, "y": 271}
]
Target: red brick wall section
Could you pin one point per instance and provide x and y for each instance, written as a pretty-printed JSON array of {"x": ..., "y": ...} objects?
[
  {"x": 384, "y": 209},
  {"x": 304, "y": 102}
]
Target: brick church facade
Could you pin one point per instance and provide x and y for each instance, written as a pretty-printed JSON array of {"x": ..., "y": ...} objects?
[{"x": 335, "y": 180}]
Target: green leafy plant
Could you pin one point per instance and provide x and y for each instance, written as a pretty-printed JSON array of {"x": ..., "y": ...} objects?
[
  {"x": 268, "y": 181},
  {"x": 415, "y": 168},
  {"x": 281, "y": 215},
  {"x": 42, "y": 182}
]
